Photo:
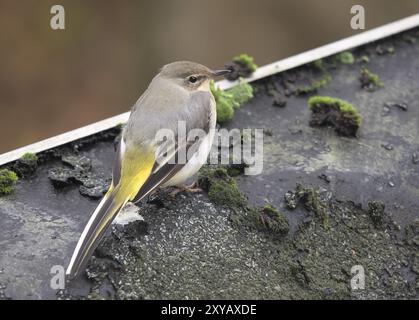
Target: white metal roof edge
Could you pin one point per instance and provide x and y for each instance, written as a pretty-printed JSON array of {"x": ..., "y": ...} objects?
[{"x": 262, "y": 72}]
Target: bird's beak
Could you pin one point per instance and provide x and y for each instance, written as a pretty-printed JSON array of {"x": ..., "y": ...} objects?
[{"x": 217, "y": 73}]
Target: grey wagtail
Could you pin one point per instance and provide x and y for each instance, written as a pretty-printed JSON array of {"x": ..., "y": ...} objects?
[{"x": 179, "y": 92}]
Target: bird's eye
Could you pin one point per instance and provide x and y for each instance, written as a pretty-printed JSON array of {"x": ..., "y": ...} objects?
[{"x": 192, "y": 79}]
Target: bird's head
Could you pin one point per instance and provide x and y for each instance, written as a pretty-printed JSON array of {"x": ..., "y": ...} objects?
[{"x": 190, "y": 75}]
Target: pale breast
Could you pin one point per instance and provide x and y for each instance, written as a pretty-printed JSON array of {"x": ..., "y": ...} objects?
[{"x": 199, "y": 158}]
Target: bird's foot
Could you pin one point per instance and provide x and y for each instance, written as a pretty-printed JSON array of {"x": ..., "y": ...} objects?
[{"x": 193, "y": 188}]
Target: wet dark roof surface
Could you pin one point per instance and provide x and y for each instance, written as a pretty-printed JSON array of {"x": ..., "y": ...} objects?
[{"x": 188, "y": 248}]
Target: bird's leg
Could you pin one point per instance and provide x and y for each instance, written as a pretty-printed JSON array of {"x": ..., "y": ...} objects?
[{"x": 192, "y": 188}]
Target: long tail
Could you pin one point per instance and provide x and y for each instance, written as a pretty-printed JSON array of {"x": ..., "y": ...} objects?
[
  {"x": 129, "y": 176},
  {"x": 107, "y": 210}
]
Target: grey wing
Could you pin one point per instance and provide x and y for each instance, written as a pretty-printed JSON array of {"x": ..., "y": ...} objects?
[
  {"x": 198, "y": 115},
  {"x": 116, "y": 172}
]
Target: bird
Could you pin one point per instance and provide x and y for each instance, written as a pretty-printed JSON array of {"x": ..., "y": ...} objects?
[{"x": 179, "y": 93}]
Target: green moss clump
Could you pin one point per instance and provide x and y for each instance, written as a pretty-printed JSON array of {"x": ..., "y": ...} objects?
[
  {"x": 241, "y": 94},
  {"x": 225, "y": 111},
  {"x": 265, "y": 219},
  {"x": 376, "y": 212},
  {"x": 369, "y": 80},
  {"x": 311, "y": 200},
  {"x": 246, "y": 61},
  {"x": 273, "y": 220},
  {"x": 347, "y": 109},
  {"x": 314, "y": 86},
  {"x": 319, "y": 64},
  {"x": 382, "y": 50},
  {"x": 29, "y": 158},
  {"x": 235, "y": 170},
  {"x": 7, "y": 180},
  {"x": 221, "y": 188},
  {"x": 224, "y": 103},
  {"x": 346, "y": 57},
  {"x": 231, "y": 99},
  {"x": 120, "y": 126},
  {"x": 26, "y": 165},
  {"x": 409, "y": 38},
  {"x": 364, "y": 59}
]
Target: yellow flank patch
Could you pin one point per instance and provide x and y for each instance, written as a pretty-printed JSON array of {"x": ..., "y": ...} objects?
[{"x": 136, "y": 168}]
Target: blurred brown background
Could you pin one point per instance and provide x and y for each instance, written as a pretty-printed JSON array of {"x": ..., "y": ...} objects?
[{"x": 54, "y": 81}]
